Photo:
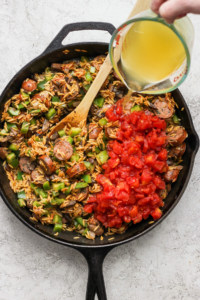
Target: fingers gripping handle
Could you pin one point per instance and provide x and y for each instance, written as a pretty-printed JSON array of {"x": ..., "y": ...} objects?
[{"x": 57, "y": 41}]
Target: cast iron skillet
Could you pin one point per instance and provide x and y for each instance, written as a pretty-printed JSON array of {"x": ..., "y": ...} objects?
[{"x": 93, "y": 251}]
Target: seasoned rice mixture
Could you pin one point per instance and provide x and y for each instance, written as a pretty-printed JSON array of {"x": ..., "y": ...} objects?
[{"x": 103, "y": 176}]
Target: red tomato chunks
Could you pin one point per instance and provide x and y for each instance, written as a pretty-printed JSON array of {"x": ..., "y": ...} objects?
[{"x": 133, "y": 175}]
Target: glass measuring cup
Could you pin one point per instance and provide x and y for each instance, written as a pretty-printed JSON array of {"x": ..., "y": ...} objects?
[{"x": 152, "y": 75}]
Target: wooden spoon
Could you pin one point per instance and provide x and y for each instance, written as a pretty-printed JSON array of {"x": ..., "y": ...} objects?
[{"x": 80, "y": 113}]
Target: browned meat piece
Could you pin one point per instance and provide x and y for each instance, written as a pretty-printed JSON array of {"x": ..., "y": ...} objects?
[
  {"x": 38, "y": 176},
  {"x": 62, "y": 67},
  {"x": 94, "y": 131},
  {"x": 177, "y": 151},
  {"x": 62, "y": 150},
  {"x": 47, "y": 164},
  {"x": 3, "y": 152},
  {"x": 98, "y": 61},
  {"x": 29, "y": 203},
  {"x": 72, "y": 88},
  {"x": 163, "y": 109},
  {"x": 45, "y": 125},
  {"x": 177, "y": 135},
  {"x": 13, "y": 133},
  {"x": 59, "y": 80},
  {"x": 118, "y": 88},
  {"x": 95, "y": 226},
  {"x": 83, "y": 194},
  {"x": 26, "y": 165},
  {"x": 172, "y": 173},
  {"x": 29, "y": 85},
  {"x": 76, "y": 170},
  {"x": 111, "y": 132},
  {"x": 43, "y": 97},
  {"x": 54, "y": 136}
]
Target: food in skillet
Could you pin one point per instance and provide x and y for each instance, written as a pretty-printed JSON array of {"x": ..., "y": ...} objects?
[{"x": 101, "y": 177}]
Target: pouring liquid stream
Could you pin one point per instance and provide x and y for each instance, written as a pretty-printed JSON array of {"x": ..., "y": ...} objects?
[{"x": 151, "y": 52}]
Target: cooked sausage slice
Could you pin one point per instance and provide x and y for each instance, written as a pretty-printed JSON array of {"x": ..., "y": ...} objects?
[
  {"x": 47, "y": 164},
  {"x": 76, "y": 170},
  {"x": 177, "y": 151},
  {"x": 45, "y": 125},
  {"x": 3, "y": 152},
  {"x": 26, "y": 165},
  {"x": 38, "y": 176},
  {"x": 29, "y": 85},
  {"x": 83, "y": 194},
  {"x": 63, "y": 150},
  {"x": 95, "y": 226},
  {"x": 163, "y": 109},
  {"x": 172, "y": 173},
  {"x": 94, "y": 131},
  {"x": 177, "y": 135}
]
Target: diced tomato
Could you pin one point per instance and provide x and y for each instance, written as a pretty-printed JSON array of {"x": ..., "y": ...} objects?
[
  {"x": 160, "y": 184},
  {"x": 117, "y": 147},
  {"x": 160, "y": 166},
  {"x": 162, "y": 155},
  {"x": 156, "y": 214},
  {"x": 131, "y": 182},
  {"x": 113, "y": 162},
  {"x": 146, "y": 177},
  {"x": 133, "y": 212},
  {"x": 88, "y": 208}
]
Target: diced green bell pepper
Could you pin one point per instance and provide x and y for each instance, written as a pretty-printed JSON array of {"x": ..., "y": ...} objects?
[
  {"x": 58, "y": 186},
  {"x": 92, "y": 69},
  {"x": 75, "y": 157},
  {"x": 102, "y": 157},
  {"x": 74, "y": 131},
  {"x": 87, "y": 178},
  {"x": 88, "y": 76},
  {"x": 81, "y": 185},
  {"x": 21, "y": 202},
  {"x": 11, "y": 125},
  {"x": 13, "y": 147},
  {"x": 46, "y": 186},
  {"x": 41, "y": 85},
  {"x": 13, "y": 112},
  {"x": 70, "y": 139},
  {"x": 55, "y": 99},
  {"x": 25, "y": 127},
  {"x": 19, "y": 175},
  {"x": 99, "y": 102},
  {"x": 12, "y": 160},
  {"x": 176, "y": 120},
  {"x": 57, "y": 201},
  {"x": 57, "y": 228},
  {"x": 136, "y": 108},
  {"x": 51, "y": 113},
  {"x": 61, "y": 133},
  {"x": 21, "y": 195},
  {"x": 57, "y": 219},
  {"x": 103, "y": 122}
]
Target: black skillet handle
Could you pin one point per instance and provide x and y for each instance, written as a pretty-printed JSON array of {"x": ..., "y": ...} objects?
[
  {"x": 95, "y": 285},
  {"x": 57, "y": 41}
]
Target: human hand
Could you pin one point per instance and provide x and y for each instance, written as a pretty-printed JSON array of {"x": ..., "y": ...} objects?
[{"x": 175, "y": 9}]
